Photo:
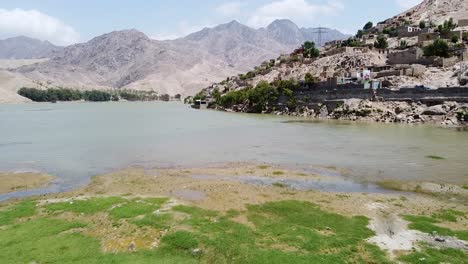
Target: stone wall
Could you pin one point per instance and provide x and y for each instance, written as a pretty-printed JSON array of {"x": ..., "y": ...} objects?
[
  {"x": 342, "y": 92},
  {"x": 409, "y": 56}
]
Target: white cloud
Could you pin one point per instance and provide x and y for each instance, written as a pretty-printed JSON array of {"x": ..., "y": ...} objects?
[
  {"x": 229, "y": 9},
  {"x": 34, "y": 24},
  {"x": 296, "y": 10},
  {"x": 406, "y": 4}
]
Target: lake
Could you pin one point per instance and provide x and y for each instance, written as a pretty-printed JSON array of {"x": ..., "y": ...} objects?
[{"x": 75, "y": 141}]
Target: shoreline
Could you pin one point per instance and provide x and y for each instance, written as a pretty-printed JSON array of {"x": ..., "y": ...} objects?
[
  {"x": 225, "y": 190},
  {"x": 23, "y": 181},
  {"x": 447, "y": 114}
]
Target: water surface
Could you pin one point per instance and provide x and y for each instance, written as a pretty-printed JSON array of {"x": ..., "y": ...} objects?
[{"x": 75, "y": 141}]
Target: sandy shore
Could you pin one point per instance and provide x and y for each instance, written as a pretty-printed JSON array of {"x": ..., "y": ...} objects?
[{"x": 12, "y": 182}]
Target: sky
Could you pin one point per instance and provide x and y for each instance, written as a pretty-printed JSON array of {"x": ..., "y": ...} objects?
[{"x": 65, "y": 22}]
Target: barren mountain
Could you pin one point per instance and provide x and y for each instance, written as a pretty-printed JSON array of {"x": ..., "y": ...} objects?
[
  {"x": 436, "y": 11},
  {"x": 129, "y": 59},
  {"x": 26, "y": 48}
]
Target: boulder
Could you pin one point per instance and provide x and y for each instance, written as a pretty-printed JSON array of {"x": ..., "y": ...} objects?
[{"x": 435, "y": 110}]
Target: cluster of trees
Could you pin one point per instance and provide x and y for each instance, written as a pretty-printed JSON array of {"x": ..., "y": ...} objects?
[
  {"x": 261, "y": 97},
  {"x": 258, "y": 98},
  {"x": 66, "y": 95}
]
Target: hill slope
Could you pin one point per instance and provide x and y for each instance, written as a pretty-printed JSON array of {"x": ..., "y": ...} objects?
[{"x": 436, "y": 11}]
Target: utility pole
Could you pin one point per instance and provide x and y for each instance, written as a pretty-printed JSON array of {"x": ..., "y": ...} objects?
[{"x": 320, "y": 31}]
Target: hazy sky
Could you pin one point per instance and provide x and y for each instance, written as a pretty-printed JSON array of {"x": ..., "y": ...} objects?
[{"x": 65, "y": 22}]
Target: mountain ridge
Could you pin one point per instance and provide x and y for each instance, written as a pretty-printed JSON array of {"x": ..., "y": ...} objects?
[{"x": 129, "y": 59}]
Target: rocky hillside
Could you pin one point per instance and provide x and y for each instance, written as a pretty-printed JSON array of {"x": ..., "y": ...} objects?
[
  {"x": 26, "y": 48},
  {"x": 436, "y": 11},
  {"x": 129, "y": 59},
  {"x": 315, "y": 83}
]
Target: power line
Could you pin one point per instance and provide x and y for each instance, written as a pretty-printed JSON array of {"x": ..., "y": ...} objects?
[{"x": 320, "y": 31}]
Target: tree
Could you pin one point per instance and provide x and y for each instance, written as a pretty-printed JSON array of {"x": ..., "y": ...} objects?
[
  {"x": 351, "y": 42},
  {"x": 359, "y": 34},
  {"x": 164, "y": 97},
  {"x": 368, "y": 25},
  {"x": 422, "y": 24},
  {"x": 178, "y": 96},
  {"x": 438, "y": 48},
  {"x": 381, "y": 42},
  {"x": 262, "y": 96},
  {"x": 455, "y": 39},
  {"x": 309, "y": 79},
  {"x": 465, "y": 36},
  {"x": 447, "y": 26},
  {"x": 310, "y": 51}
]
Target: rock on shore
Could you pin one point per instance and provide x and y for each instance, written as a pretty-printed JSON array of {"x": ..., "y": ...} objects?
[{"x": 447, "y": 113}]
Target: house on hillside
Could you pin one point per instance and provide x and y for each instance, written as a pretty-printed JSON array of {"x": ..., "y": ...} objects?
[{"x": 408, "y": 31}]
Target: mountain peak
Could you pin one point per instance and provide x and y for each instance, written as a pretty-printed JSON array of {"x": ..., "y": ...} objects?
[{"x": 282, "y": 23}]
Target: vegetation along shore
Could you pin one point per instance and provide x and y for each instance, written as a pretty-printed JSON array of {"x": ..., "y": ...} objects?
[{"x": 178, "y": 216}]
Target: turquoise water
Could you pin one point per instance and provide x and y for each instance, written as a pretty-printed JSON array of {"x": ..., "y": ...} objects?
[{"x": 75, "y": 141}]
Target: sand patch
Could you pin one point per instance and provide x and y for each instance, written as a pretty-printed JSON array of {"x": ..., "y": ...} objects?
[{"x": 11, "y": 182}]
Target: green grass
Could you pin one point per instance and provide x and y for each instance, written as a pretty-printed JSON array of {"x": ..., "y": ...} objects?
[
  {"x": 436, "y": 256},
  {"x": 428, "y": 225},
  {"x": 450, "y": 215},
  {"x": 52, "y": 241},
  {"x": 434, "y": 157},
  {"x": 278, "y": 173},
  {"x": 180, "y": 240},
  {"x": 22, "y": 209},
  {"x": 278, "y": 232},
  {"x": 280, "y": 185},
  {"x": 307, "y": 234},
  {"x": 465, "y": 187},
  {"x": 263, "y": 167},
  {"x": 88, "y": 206},
  {"x": 161, "y": 221},
  {"x": 132, "y": 209}
]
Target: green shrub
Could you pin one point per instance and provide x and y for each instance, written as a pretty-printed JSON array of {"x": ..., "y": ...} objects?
[
  {"x": 439, "y": 48},
  {"x": 447, "y": 26},
  {"x": 368, "y": 25},
  {"x": 232, "y": 98},
  {"x": 310, "y": 51},
  {"x": 262, "y": 96},
  {"x": 381, "y": 42}
]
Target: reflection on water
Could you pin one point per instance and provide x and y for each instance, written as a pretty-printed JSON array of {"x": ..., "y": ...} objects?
[{"x": 86, "y": 139}]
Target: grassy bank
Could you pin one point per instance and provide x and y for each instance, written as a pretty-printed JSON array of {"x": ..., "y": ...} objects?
[{"x": 235, "y": 223}]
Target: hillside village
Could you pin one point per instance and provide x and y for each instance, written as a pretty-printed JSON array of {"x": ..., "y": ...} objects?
[{"x": 399, "y": 70}]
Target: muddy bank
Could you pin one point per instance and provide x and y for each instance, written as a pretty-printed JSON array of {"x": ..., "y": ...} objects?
[{"x": 14, "y": 182}]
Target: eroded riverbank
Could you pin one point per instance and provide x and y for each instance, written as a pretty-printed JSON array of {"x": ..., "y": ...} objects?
[{"x": 241, "y": 213}]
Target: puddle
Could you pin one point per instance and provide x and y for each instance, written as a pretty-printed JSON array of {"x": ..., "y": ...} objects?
[
  {"x": 190, "y": 195},
  {"x": 337, "y": 185}
]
